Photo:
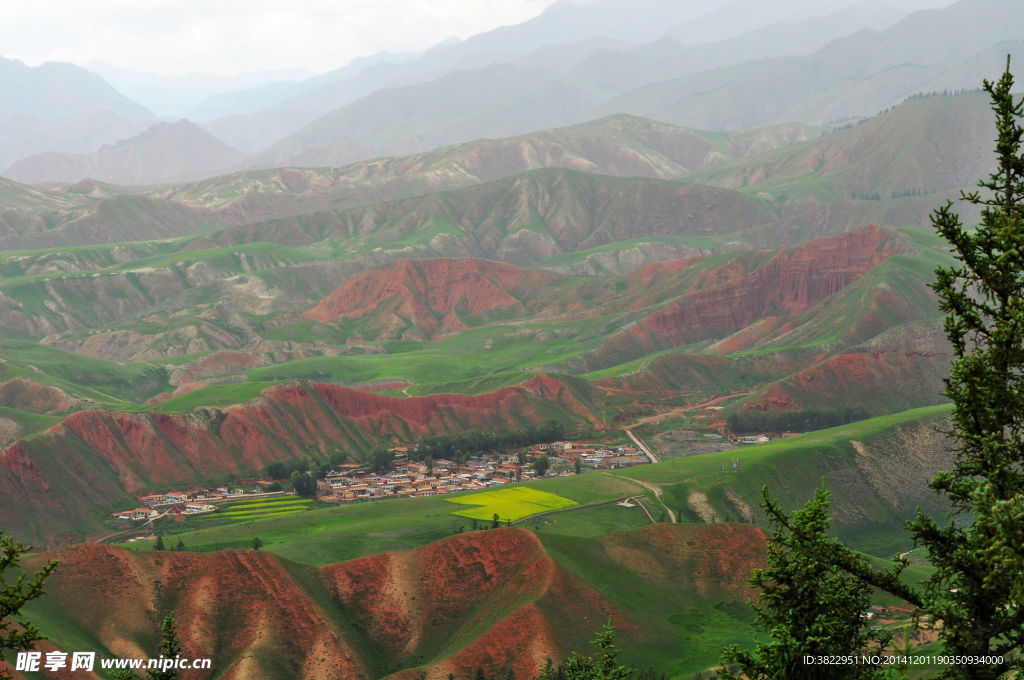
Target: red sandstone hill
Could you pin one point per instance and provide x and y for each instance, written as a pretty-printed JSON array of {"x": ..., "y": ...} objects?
[
  {"x": 759, "y": 294},
  {"x": 833, "y": 323},
  {"x": 738, "y": 293},
  {"x": 418, "y": 299},
  {"x": 489, "y": 596},
  {"x": 693, "y": 299},
  {"x": 55, "y": 485},
  {"x": 898, "y": 378},
  {"x": 491, "y": 599},
  {"x": 28, "y": 395}
]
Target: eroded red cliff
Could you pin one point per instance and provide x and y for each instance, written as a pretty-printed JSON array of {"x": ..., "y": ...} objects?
[
  {"x": 418, "y": 299},
  {"x": 742, "y": 291}
]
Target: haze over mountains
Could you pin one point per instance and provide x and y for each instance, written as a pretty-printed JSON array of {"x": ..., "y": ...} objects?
[
  {"x": 165, "y": 152},
  {"x": 573, "y": 63}
]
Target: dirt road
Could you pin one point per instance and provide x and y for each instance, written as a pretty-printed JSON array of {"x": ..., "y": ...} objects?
[
  {"x": 643, "y": 447},
  {"x": 656, "y": 490}
]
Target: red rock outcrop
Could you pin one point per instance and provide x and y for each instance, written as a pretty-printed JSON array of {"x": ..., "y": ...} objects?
[
  {"x": 408, "y": 602},
  {"x": 234, "y": 607},
  {"x": 418, "y": 299},
  {"x": 28, "y": 395},
  {"x": 743, "y": 290},
  {"x": 881, "y": 381}
]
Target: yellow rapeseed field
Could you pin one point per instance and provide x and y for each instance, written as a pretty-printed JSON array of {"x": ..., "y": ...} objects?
[{"x": 511, "y": 504}]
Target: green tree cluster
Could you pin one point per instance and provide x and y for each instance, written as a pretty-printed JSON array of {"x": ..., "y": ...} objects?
[
  {"x": 283, "y": 469},
  {"x": 793, "y": 421},
  {"x": 540, "y": 465},
  {"x": 461, "y": 445},
  {"x": 304, "y": 484},
  {"x": 380, "y": 459}
]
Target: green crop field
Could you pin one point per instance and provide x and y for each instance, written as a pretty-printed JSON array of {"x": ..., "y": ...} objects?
[
  {"x": 510, "y": 504},
  {"x": 263, "y": 508}
]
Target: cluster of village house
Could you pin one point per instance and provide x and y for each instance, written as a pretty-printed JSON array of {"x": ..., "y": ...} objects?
[{"x": 351, "y": 481}]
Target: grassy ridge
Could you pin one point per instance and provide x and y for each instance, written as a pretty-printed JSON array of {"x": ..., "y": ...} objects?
[
  {"x": 112, "y": 383},
  {"x": 683, "y": 627},
  {"x": 866, "y": 514},
  {"x": 27, "y": 421}
]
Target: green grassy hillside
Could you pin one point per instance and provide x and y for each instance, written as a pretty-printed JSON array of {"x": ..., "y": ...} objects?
[{"x": 694, "y": 571}]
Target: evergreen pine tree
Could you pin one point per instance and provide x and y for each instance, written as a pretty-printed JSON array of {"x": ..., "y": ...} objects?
[
  {"x": 976, "y": 587},
  {"x": 605, "y": 667},
  {"x": 17, "y": 634},
  {"x": 808, "y": 605},
  {"x": 170, "y": 648}
]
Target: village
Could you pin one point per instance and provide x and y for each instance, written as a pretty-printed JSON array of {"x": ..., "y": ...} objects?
[{"x": 404, "y": 477}]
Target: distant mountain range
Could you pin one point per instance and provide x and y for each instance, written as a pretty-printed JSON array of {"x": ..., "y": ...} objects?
[
  {"x": 179, "y": 95},
  {"x": 61, "y": 107},
  {"x": 23, "y": 135},
  {"x": 165, "y": 152},
  {"x": 59, "y": 89},
  {"x": 839, "y": 61},
  {"x": 889, "y": 169},
  {"x": 850, "y": 78}
]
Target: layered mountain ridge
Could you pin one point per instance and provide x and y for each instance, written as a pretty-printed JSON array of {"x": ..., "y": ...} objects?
[{"x": 361, "y": 111}]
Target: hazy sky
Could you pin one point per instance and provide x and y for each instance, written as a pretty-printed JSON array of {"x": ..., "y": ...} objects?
[{"x": 231, "y": 36}]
